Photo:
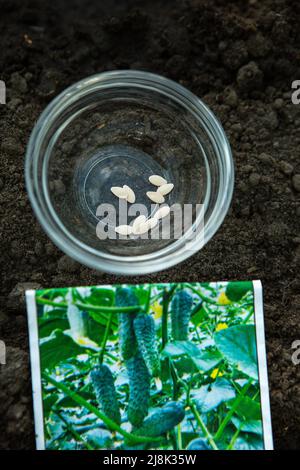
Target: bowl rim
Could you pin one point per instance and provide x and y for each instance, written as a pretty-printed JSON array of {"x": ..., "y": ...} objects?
[{"x": 169, "y": 255}]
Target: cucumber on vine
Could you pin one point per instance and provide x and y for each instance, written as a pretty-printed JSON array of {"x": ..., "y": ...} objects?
[
  {"x": 181, "y": 306},
  {"x": 144, "y": 328},
  {"x": 199, "y": 444},
  {"x": 104, "y": 387},
  {"x": 139, "y": 389},
  {"x": 162, "y": 420},
  {"x": 125, "y": 297}
]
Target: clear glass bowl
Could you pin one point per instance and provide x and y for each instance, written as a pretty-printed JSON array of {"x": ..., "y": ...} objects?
[{"x": 118, "y": 128}]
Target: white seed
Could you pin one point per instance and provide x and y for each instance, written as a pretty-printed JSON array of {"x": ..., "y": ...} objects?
[
  {"x": 119, "y": 192},
  {"x": 141, "y": 219},
  {"x": 165, "y": 188},
  {"x": 155, "y": 197},
  {"x": 152, "y": 222},
  {"x": 130, "y": 194},
  {"x": 146, "y": 226},
  {"x": 143, "y": 228},
  {"x": 162, "y": 212},
  {"x": 157, "y": 180},
  {"x": 123, "y": 229}
]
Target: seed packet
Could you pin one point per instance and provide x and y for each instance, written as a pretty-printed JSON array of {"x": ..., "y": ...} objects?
[{"x": 150, "y": 366}]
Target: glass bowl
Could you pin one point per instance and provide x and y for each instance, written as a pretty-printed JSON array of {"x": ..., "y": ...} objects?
[{"x": 119, "y": 128}]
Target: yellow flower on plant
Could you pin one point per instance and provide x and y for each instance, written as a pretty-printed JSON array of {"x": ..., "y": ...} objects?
[
  {"x": 223, "y": 299},
  {"x": 157, "y": 309},
  {"x": 221, "y": 326},
  {"x": 216, "y": 373}
]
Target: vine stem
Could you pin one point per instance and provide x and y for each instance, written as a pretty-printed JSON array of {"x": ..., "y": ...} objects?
[
  {"x": 197, "y": 334},
  {"x": 196, "y": 308},
  {"x": 164, "y": 325},
  {"x": 109, "y": 422},
  {"x": 249, "y": 315},
  {"x": 176, "y": 382},
  {"x": 234, "y": 437},
  {"x": 105, "y": 338},
  {"x": 179, "y": 437},
  {"x": 111, "y": 356},
  {"x": 229, "y": 415},
  {"x": 203, "y": 427},
  {"x": 94, "y": 308},
  {"x": 166, "y": 364},
  {"x": 147, "y": 304},
  {"x": 167, "y": 295}
]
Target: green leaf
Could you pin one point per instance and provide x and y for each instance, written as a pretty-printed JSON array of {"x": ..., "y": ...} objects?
[
  {"x": 178, "y": 348},
  {"x": 98, "y": 438},
  {"x": 52, "y": 293},
  {"x": 142, "y": 293},
  {"x": 100, "y": 296},
  {"x": 52, "y": 312},
  {"x": 210, "y": 396},
  {"x": 204, "y": 360},
  {"x": 47, "y": 326},
  {"x": 207, "y": 360},
  {"x": 95, "y": 330},
  {"x": 185, "y": 365},
  {"x": 238, "y": 345},
  {"x": 252, "y": 426},
  {"x": 248, "y": 409},
  {"x": 55, "y": 427},
  {"x": 101, "y": 318},
  {"x": 198, "y": 316},
  {"x": 249, "y": 442},
  {"x": 56, "y": 348},
  {"x": 236, "y": 290},
  {"x": 48, "y": 402}
]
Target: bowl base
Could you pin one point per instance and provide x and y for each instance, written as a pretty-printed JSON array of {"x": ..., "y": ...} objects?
[{"x": 115, "y": 165}]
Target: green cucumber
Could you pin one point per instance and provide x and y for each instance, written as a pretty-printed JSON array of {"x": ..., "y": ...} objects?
[
  {"x": 139, "y": 389},
  {"x": 144, "y": 328},
  {"x": 181, "y": 307},
  {"x": 104, "y": 387},
  {"x": 125, "y": 297},
  {"x": 162, "y": 420}
]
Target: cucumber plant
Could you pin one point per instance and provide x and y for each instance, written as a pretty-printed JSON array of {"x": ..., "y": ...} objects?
[{"x": 207, "y": 396}]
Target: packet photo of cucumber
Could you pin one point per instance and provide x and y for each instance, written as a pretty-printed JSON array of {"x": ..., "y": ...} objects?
[{"x": 150, "y": 366}]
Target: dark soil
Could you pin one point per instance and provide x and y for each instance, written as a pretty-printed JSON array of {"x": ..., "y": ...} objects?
[{"x": 240, "y": 57}]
